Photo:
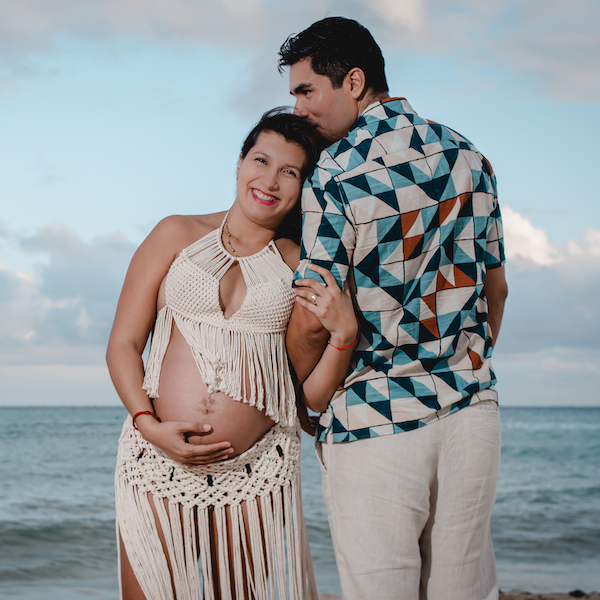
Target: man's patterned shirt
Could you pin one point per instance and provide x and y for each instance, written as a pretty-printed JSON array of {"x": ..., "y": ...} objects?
[{"x": 407, "y": 209}]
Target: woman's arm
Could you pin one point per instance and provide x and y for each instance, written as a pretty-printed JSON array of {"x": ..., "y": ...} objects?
[
  {"x": 133, "y": 321},
  {"x": 333, "y": 307},
  {"x": 305, "y": 335}
]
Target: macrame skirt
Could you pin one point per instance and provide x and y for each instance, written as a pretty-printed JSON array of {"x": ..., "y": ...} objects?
[{"x": 260, "y": 553}]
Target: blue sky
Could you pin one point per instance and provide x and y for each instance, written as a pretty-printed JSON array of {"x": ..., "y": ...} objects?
[{"x": 116, "y": 113}]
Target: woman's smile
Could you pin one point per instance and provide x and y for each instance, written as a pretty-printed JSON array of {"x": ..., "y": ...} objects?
[
  {"x": 263, "y": 198},
  {"x": 270, "y": 175}
]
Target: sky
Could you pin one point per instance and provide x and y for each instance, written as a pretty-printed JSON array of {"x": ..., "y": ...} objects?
[{"x": 117, "y": 113}]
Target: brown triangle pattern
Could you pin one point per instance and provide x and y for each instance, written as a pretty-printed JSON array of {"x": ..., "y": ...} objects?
[
  {"x": 476, "y": 360},
  {"x": 408, "y": 220},
  {"x": 443, "y": 283},
  {"x": 431, "y": 326},
  {"x": 430, "y": 302},
  {"x": 410, "y": 244},
  {"x": 462, "y": 279}
]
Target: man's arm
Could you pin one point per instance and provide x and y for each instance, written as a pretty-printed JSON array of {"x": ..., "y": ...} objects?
[
  {"x": 496, "y": 291},
  {"x": 323, "y": 211},
  {"x": 306, "y": 339}
]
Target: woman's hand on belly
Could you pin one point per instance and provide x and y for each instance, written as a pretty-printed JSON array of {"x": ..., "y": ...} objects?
[
  {"x": 183, "y": 398},
  {"x": 171, "y": 437},
  {"x": 237, "y": 423}
]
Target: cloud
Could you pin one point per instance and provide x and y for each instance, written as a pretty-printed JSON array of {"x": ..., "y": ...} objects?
[
  {"x": 55, "y": 318},
  {"x": 410, "y": 14},
  {"x": 554, "y": 364},
  {"x": 548, "y": 377},
  {"x": 527, "y": 246},
  {"x": 62, "y": 311},
  {"x": 33, "y": 23},
  {"x": 554, "y": 288},
  {"x": 244, "y": 23},
  {"x": 56, "y": 385},
  {"x": 557, "y": 47},
  {"x": 559, "y": 44}
]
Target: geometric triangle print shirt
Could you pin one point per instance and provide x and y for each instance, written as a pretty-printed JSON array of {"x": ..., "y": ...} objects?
[{"x": 407, "y": 209}]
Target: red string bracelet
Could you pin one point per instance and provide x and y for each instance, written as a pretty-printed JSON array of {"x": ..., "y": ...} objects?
[
  {"x": 144, "y": 412},
  {"x": 344, "y": 347}
]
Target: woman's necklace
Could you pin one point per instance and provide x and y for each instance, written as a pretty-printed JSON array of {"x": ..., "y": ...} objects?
[{"x": 226, "y": 227}]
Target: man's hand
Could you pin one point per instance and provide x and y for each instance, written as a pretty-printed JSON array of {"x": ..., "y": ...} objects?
[
  {"x": 307, "y": 422},
  {"x": 305, "y": 340}
]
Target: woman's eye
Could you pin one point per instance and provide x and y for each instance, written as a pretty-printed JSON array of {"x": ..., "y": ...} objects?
[{"x": 260, "y": 159}]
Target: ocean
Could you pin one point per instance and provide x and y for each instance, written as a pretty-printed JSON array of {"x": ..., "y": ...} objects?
[{"x": 57, "y": 538}]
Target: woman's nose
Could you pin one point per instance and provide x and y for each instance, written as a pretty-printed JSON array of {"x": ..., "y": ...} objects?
[{"x": 271, "y": 178}]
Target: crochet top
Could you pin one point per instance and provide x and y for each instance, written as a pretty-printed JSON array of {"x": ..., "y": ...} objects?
[{"x": 243, "y": 356}]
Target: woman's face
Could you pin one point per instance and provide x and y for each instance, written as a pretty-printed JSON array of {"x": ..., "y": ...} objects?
[{"x": 270, "y": 179}]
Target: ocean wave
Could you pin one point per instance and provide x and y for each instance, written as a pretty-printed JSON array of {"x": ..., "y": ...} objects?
[{"x": 73, "y": 549}]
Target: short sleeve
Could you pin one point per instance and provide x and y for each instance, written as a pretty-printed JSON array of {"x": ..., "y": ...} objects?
[
  {"x": 328, "y": 237},
  {"x": 494, "y": 248}
]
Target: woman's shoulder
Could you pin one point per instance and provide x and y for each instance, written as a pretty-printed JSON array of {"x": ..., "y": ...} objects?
[
  {"x": 174, "y": 233},
  {"x": 183, "y": 230},
  {"x": 290, "y": 251}
]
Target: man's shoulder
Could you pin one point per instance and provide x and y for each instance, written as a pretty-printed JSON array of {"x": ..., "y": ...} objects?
[
  {"x": 391, "y": 126},
  {"x": 388, "y": 135}
]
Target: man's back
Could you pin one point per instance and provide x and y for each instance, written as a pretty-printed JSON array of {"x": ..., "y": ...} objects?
[
  {"x": 404, "y": 210},
  {"x": 409, "y": 208}
]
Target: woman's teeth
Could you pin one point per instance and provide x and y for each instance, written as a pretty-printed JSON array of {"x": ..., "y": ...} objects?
[{"x": 264, "y": 197}]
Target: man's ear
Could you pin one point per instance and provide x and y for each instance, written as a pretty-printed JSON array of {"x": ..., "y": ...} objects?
[{"x": 357, "y": 81}]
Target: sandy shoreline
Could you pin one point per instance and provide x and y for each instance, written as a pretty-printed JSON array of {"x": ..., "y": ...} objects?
[
  {"x": 518, "y": 595},
  {"x": 523, "y": 595}
]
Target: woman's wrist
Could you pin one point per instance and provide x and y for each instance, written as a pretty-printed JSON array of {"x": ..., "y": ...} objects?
[
  {"x": 343, "y": 342},
  {"x": 143, "y": 417}
]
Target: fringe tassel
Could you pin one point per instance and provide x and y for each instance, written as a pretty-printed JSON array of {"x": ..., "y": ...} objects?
[
  {"x": 134, "y": 516},
  {"x": 205, "y": 552},
  {"x": 264, "y": 556},
  {"x": 230, "y": 360},
  {"x": 286, "y": 558},
  {"x": 244, "y": 358},
  {"x": 158, "y": 348},
  {"x": 258, "y": 549}
]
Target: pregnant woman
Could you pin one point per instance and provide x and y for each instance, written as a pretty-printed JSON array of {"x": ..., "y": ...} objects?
[{"x": 208, "y": 466}]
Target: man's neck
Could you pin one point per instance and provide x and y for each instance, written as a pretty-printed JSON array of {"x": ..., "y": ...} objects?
[
  {"x": 365, "y": 101},
  {"x": 369, "y": 98}
]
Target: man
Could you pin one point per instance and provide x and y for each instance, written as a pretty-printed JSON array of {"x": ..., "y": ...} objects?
[{"x": 405, "y": 210}]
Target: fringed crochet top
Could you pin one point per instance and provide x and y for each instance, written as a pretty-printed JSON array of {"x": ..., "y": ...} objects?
[{"x": 243, "y": 356}]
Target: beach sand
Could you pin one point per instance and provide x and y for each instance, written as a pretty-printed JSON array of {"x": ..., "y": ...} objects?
[
  {"x": 523, "y": 595},
  {"x": 517, "y": 595}
]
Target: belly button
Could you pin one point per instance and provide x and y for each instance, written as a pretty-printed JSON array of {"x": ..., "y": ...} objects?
[{"x": 207, "y": 404}]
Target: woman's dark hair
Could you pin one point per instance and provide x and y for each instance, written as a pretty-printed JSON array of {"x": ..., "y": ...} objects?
[
  {"x": 294, "y": 129},
  {"x": 335, "y": 46}
]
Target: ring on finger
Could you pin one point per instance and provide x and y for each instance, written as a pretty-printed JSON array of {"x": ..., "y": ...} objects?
[{"x": 313, "y": 298}]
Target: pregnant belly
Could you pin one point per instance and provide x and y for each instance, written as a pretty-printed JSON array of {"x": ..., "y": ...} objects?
[{"x": 183, "y": 396}]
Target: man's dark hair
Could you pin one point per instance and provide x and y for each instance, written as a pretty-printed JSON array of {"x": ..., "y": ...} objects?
[
  {"x": 335, "y": 46},
  {"x": 294, "y": 129}
]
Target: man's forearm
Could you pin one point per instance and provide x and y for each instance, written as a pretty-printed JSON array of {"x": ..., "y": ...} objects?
[
  {"x": 496, "y": 291},
  {"x": 305, "y": 339}
]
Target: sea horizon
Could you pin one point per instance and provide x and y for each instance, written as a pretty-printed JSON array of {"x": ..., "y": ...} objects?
[{"x": 57, "y": 506}]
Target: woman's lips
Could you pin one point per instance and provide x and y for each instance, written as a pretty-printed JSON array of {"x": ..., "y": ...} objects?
[{"x": 263, "y": 198}]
